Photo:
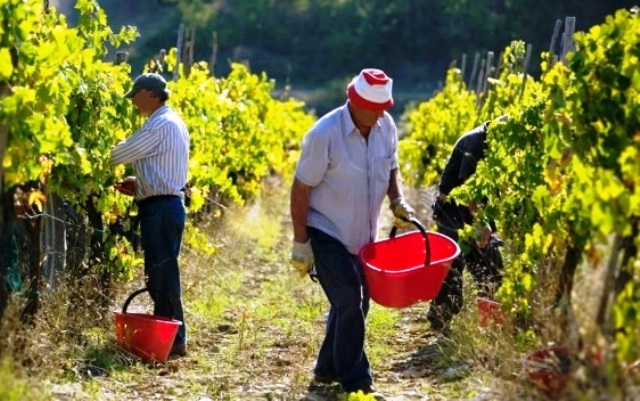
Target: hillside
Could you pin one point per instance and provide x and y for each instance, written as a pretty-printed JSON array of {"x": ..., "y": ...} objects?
[
  {"x": 153, "y": 19},
  {"x": 313, "y": 48}
]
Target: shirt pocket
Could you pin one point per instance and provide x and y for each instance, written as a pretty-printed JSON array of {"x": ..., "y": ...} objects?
[{"x": 382, "y": 169}]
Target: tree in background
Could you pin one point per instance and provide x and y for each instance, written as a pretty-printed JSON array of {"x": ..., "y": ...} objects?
[{"x": 320, "y": 43}]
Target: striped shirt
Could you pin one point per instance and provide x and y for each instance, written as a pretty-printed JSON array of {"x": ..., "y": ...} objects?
[
  {"x": 348, "y": 175},
  {"x": 159, "y": 152}
]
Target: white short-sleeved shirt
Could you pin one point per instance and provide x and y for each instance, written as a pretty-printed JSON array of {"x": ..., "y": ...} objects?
[{"x": 348, "y": 175}]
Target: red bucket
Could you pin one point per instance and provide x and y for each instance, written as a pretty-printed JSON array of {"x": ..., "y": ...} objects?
[
  {"x": 149, "y": 337},
  {"x": 489, "y": 312},
  {"x": 549, "y": 369},
  {"x": 409, "y": 268}
]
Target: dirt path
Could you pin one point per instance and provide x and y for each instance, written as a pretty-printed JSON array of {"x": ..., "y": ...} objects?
[{"x": 255, "y": 328}]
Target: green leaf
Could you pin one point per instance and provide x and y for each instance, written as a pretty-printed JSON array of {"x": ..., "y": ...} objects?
[{"x": 6, "y": 65}]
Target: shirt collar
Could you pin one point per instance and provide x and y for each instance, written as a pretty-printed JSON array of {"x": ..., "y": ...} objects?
[{"x": 159, "y": 110}]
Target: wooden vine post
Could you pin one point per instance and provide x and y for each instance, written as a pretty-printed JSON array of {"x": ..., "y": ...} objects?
[
  {"x": 122, "y": 57},
  {"x": 161, "y": 62},
  {"x": 568, "y": 45},
  {"x": 176, "y": 69},
  {"x": 553, "y": 58},
  {"x": 214, "y": 53},
  {"x": 495, "y": 72},
  {"x": 162, "y": 57},
  {"x": 486, "y": 68},
  {"x": 187, "y": 49},
  {"x": 480, "y": 77},
  {"x": 463, "y": 66},
  {"x": 184, "y": 47},
  {"x": 487, "y": 73},
  {"x": 525, "y": 67},
  {"x": 614, "y": 266},
  {"x": 53, "y": 240},
  {"x": 474, "y": 69}
]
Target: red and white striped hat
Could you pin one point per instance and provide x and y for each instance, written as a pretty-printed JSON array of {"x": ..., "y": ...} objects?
[{"x": 371, "y": 90}]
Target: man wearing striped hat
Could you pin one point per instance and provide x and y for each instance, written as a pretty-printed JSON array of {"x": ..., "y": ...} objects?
[{"x": 348, "y": 164}]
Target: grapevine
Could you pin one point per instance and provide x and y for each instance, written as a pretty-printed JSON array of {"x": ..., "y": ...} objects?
[
  {"x": 62, "y": 108},
  {"x": 561, "y": 174}
]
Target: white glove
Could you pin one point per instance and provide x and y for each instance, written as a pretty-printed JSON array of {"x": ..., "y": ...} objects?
[
  {"x": 402, "y": 212},
  {"x": 302, "y": 257}
]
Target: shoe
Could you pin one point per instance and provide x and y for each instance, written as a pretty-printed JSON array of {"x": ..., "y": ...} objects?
[
  {"x": 370, "y": 391},
  {"x": 178, "y": 350},
  {"x": 325, "y": 378},
  {"x": 439, "y": 318},
  {"x": 441, "y": 331}
]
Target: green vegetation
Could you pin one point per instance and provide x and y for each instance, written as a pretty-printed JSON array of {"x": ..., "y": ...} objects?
[
  {"x": 313, "y": 46},
  {"x": 255, "y": 328},
  {"x": 321, "y": 40},
  {"x": 561, "y": 179},
  {"x": 56, "y": 81},
  {"x": 562, "y": 176},
  {"x": 18, "y": 388}
]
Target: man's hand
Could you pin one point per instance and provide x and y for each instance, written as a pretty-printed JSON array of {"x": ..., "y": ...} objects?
[
  {"x": 484, "y": 235},
  {"x": 126, "y": 186},
  {"x": 402, "y": 212},
  {"x": 302, "y": 257}
]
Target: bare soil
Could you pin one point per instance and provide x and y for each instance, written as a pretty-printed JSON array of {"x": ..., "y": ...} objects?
[{"x": 269, "y": 355}]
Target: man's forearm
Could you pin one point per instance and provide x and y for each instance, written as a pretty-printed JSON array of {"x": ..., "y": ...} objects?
[
  {"x": 299, "y": 205},
  {"x": 395, "y": 190}
]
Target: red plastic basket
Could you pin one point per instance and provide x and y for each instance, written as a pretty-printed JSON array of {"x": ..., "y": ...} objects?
[
  {"x": 549, "y": 369},
  {"x": 409, "y": 268},
  {"x": 149, "y": 337},
  {"x": 489, "y": 312}
]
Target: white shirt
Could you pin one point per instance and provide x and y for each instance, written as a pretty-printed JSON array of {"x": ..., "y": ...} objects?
[
  {"x": 349, "y": 177},
  {"x": 159, "y": 152}
]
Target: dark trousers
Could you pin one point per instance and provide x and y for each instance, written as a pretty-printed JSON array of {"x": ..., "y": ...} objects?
[
  {"x": 161, "y": 226},
  {"x": 484, "y": 264},
  {"x": 342, "y": 278}
]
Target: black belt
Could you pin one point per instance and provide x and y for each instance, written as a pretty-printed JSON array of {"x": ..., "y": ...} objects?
[{"x": 151, "y": 199}]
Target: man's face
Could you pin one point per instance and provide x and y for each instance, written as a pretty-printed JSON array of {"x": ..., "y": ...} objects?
[
  {"x": 145, "y": 101},
  {"x": 366, "y": 118}
]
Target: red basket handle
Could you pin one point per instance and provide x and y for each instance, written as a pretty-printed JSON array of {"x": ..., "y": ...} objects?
[
  {"x": 135, "y": 294},
  {"x": 417, "y": 223}
]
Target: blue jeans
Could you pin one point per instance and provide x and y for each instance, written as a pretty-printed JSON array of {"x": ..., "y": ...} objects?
[
  {"x": 162, "y": 222},
  {"x": 341, "y": 276}
]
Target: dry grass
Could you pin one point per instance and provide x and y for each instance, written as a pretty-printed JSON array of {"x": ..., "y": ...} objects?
[{"x": 254, "y": 331}]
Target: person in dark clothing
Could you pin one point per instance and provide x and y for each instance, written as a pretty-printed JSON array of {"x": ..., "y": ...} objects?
[{"x": 482, "y": 257}]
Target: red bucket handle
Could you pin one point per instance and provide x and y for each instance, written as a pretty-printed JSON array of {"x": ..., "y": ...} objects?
[
  {"x": 420, "y": 227},
  {"x": 138, "y": 292}
]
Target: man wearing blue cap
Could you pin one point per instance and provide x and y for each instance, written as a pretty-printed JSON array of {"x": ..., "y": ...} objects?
[{"x": 159, "y": 153}]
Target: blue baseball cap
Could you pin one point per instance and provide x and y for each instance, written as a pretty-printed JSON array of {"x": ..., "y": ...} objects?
[{"x": 152, "y": 82}]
